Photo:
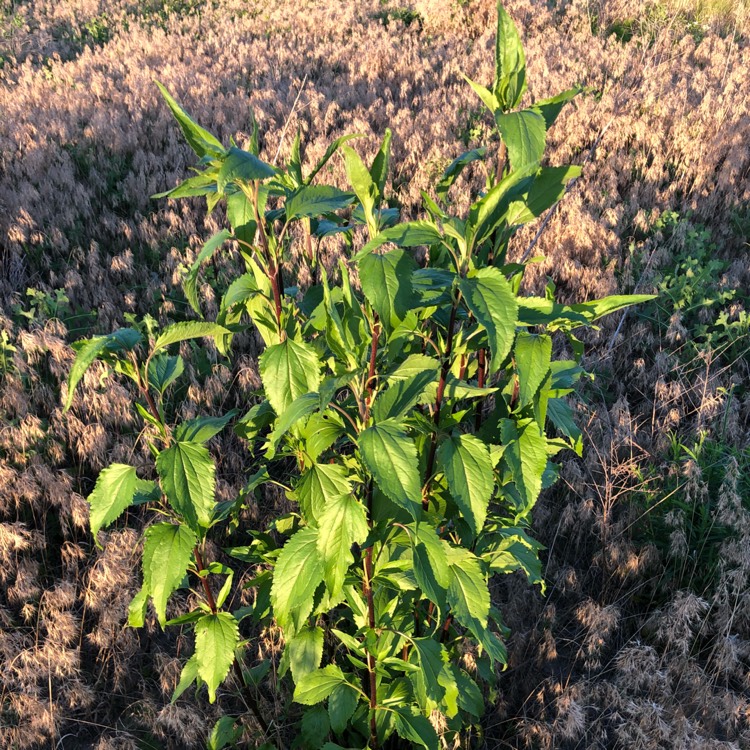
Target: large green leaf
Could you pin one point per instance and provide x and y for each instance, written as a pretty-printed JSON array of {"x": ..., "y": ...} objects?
[
  {"x": 363, "y": 185},
  {"x": 167, "y": 552},
  {"x": 510, "y": 62},
  {"x": 315, "y": 200},
  {"x": 114, "y": 491},
  {"x": 532, "y": 353},
  {"x": 342, "y": 703},
  {"x": 524, "y": 134},
  {"x": 342, "y": 523},
  {"x": 550, "y": 108},
  {"x": 408, "y": 234},
  {"x": 200, "y": 140},
  {"x": 216, "y": 637},
  {"x": 318, "y": 485},
  {"x": 454, "y": 169},
  {"x": 382, "y": 162},
  {"x": 202, "y": 429},
  {"x": 526, "y": 457},
  {"x": 300, "y": 408},
  {"x": 289, "y": 370},
  {"x": 318, "y": 685},
  {"x": 305, "y": 652},
  {"x": 414, "y": 727},
  {"x": 390, "y": 456},
  {"x": 386, "y": 282},
  {"x": 187, "y": 475},
  {"x": 163, "y": 370},
  {"x": 549, "y": 186},
  {"x": 465, "y": 461},
  {"x": 432, "y": 657},
  {"x": 298, "y": 573},
  {"x": 242, "y": 166},
  {"x": 401, "y": 395},
  {"x": 187, "y": 677},
  {"x": 185, "y": 330},
  {"x": 490, "y": 297},
  {"x": 431, "y": 563}
]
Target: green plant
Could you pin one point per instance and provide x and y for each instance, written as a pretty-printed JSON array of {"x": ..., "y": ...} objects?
[{"x": 412, "y": 418}]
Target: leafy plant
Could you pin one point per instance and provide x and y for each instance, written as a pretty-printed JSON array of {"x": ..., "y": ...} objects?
[{"x": 410, "y": 408}]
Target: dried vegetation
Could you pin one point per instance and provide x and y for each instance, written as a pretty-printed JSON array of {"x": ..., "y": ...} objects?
[{"x": 643, "y": 639}]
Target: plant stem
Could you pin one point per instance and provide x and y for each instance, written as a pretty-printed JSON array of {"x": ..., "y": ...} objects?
[
  {"x": 481, "y": 364},
  {"x": 206, "y": 588},
  {"x": 370, "y": 382},
  {"x": 439, "y": 402}
]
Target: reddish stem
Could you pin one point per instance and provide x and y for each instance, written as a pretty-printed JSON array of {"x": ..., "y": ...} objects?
[{"x": 206, "y": 588}]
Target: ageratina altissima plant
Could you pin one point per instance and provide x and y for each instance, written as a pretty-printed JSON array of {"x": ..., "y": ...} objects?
[{"x": 413, "y": 420}]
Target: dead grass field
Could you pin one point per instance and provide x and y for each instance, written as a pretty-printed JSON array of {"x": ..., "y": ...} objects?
[{"x": 643, "y": 640}]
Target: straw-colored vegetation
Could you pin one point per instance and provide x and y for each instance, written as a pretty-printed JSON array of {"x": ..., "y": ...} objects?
[{"x": 642, "y": 639}]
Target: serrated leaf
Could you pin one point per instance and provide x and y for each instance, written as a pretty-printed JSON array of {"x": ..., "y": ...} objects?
[
  {"x": 402, "y": 394},
  {"x": 299, "y": 409},
  {"x": 431, "y": 564},
  {"x": 490, "y": 297},
  {"x": 342, "y": 703},
  {"x": 200, "y": 140},
  {"x": 114, "y": 492},
  {"x": 532, "y": 353},
  {"x": 242, "y": 166},
  {"x": 188, "y": 330},
  {"x": 226, "y": 731},
  {"x": 526, "y": 457},
  {"x": 187, "y": 475},
  {"x": 163, "y": 370},
  {"x": 216, "y": 637},
  {"x": 317, "y": 486},
  {"x": 342, "y": 523},
  {"x": 314, "y": 727},
  {"x": 432, "y": 657},
  {"x": 298, "y": 572},
  {"x": 305, "y": 652},
  {"x": 241, "y": 217},
  {"x": 548, "y": 187},
  {"x": 289, "y": 370},
  {"x": 386, "y": 282},
  {"x": 167, "y": 552},
  {"x": 551, "y": 107},
  {"x": 465, "y": 461},
  {"x": 316, "y": 200},
  {"x": 318, "y": 685},
  {"x": 408, "y": 234},
  {"x": 415, "y": 728},
  {"x": 524, "y": 135},
  {"x": 390, "y": 456}
]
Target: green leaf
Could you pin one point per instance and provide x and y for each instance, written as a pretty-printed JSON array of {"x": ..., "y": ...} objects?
[
  {"x": 202, "y": 429},
  {"x": 598, "y": 308},
  {"x": 465, "y": 461},
  {"x": 318, "y": 486},
  {"x": 526, "y": 457},
  {"x": 315, "y": 200},
  {"x": 226, "y": 731},
  {"x": 490, "y": 297},
  {"x": 470, "y": 698},
  {"x": 488, "y": 98},
  {"x": 386, "y": 282},
  {"x": 298, "y": 572},
  {"x": 90, "y": 350},
  {"x": 532, "y": 353},
  {"x": 114, "y": 492},
  {"x": 342, "y": 703},
  {"x": 381, "y": 163},
  {"x": 187, "y": 474},
  {"x": 241, "y": 217},
  {"x": 190, "y": 284},
  {"x": 167, "y": 552},
  {"x": 314, "y": 727},
  {"x": 548, "y": 188},
  {"x": 185, "y": 330},
  {"x": 431, "y": 563},
  {"x": 163, "y": 370},
  {"x": 242, "y": 166},
  {"x": 318, "y": 685},
  {"x": 432, "y": 657},
  {"x": 361, "y": 181},
  {"x": 390, "y": 456},
  {"x": 561, "y": 415},
  {"x": 454, "y": 169},
  {"x": 330, "y": 151},
  {"x": 550, "y": 108},
  {"x": 200, "y": 140},
  {"x": 409, "y": 234},
  {"x": 199, "y": 185},
  {"x": 305, "y": 652},
  {"x": 289, "y": 370},
  {"x": 510, "y": 62},
  {"x": 320, "y": 432},
  {"x": 414, "y": 727},
  {"x": 187, "y": 677},
  {"x": 137, "y": 609},
  {"x": 297, "y": 410},
  {"x": 216, "y": 637},
  {"x": 401, "y": 395},
  {"x": 524, "y": 134},
  {"x": 342, "y": 523}
]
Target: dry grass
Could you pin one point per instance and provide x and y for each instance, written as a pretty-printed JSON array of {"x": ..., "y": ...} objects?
[{"x": 611, "y": 658}]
